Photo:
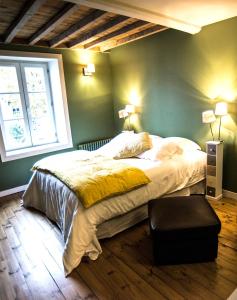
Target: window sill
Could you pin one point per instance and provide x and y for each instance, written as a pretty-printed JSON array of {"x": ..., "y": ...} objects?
[{"x": 27, "y": 152}]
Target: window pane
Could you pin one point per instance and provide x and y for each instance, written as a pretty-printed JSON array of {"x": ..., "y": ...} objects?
[
  {"x": 8, "y": 79},
  {"x": 35, "y": 80},
  {"x": 38, "y": 105},
  {"x": 42, "y": 127},
  {"x": 15, "y": 134},
  {"x": 42, "y": 131},
  {"x": 11, "y": 106}
]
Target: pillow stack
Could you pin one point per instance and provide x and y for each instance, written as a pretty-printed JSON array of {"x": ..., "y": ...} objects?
[{"x": 145, "y": 146}]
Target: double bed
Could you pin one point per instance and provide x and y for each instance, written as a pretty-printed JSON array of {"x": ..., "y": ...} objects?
[{"x": 83, "y": 227}]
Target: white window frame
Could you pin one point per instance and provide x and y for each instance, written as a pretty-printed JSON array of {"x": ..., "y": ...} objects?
[{"x": 59, "y": 99}]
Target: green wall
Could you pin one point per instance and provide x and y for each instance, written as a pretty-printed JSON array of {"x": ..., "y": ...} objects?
[
  {"x": 173, "y": 77},
  {"x": 89, "y": 102}
]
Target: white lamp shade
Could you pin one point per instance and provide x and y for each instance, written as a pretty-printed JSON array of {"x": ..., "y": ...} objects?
[
  {"x": 130, "y": 108},
  {"x": 221, "y": 109},
  {"x": 90, "y": 68},
  {"x": 122, "y": 113},
  {"x": 208, "y": 116}
]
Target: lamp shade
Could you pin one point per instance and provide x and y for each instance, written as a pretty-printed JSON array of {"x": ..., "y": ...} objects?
[
  {"x": 130, "y": 108},
  {"x": 122, "y": 113},
  {"x": 90, "y": 68},
  {"x": 221, "y": 109},
  {"x": 208, "y": 116}
]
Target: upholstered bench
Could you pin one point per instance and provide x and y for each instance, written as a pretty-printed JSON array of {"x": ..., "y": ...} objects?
[{"x": 183, "y": 229}]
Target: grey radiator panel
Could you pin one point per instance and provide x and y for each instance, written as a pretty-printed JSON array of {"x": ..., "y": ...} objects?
[{"x": 93, "y": 145}]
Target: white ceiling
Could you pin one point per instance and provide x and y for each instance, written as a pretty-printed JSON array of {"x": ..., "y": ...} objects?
[{"x": 185, "y": 15}]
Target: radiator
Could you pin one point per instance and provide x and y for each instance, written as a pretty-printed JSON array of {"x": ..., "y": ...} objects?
[{"x": 93, "y": 145}]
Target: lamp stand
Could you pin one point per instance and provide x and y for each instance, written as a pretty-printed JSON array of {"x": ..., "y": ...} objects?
[
  {"x": 211, "y": 132},
  {"x": 129, "y": 122},
  {"x": 219, "y": 135}
]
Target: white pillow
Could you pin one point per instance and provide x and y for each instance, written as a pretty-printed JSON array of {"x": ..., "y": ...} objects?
[
  {"x": 110, "y": 149},
  {"x": 155, "y": 139},
  {"x": 163, "y": 150},
  {"x": 185, "y": 144},
  {"x": 126, "y": 145}
]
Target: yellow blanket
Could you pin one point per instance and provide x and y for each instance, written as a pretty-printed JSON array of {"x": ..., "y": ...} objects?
[{"x": 92, "y": 177}]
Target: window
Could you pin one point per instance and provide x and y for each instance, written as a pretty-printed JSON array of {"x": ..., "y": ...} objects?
[{"x": 33, "y": 119}]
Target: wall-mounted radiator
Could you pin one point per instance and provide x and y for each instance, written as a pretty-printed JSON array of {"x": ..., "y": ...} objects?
[{"x": 93, "y": 145}]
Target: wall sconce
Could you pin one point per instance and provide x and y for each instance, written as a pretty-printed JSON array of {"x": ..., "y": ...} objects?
[
  {"x": 88, "y": 70},
  {"x": 122, "y": 114},
  {"x": 126, "y": 112},
  {"x": 221, "y": 110},
  {"x": 208, "y": 117}
]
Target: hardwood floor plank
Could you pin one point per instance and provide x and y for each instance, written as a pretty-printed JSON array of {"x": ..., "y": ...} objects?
[
  {"x": 144, "y": 288},
  {"x": 13, "y": 240},
  {"x": 3, "y": 217},
  {"x": 102, "y": 292},
  {"x": 9, "y": 257},
  {"x": 2, "y": 233},
  {"x": 7, "y": 291},
  {"x": 70, "y": 288},
  {"x": 20, "y": 286}
]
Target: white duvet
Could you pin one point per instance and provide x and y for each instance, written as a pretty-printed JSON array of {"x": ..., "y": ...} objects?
[{"x": 78, "y": 224}]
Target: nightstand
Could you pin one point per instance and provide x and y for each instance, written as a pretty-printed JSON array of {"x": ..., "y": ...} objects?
[{"x": 214, "y": 151}]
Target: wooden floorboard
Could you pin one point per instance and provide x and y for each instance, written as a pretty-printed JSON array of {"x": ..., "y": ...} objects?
[{"x": 31, "y": 262}]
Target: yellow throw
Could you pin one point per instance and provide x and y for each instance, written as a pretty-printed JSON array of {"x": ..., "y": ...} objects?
[{"x": 92, "y": 177}]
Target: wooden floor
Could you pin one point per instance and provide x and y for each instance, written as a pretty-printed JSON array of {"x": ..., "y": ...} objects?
[{"x": 31, "y": 268}]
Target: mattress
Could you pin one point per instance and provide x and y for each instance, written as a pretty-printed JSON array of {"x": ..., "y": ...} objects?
[{"x": 79, "y": 225}]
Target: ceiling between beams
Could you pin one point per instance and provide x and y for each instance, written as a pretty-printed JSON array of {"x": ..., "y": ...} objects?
[
  {"x": 61, "y": 24},
  {"x": 101, "y": 25}
]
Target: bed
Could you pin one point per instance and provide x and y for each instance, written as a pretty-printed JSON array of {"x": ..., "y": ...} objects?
[{"x": 83, "y": 227}]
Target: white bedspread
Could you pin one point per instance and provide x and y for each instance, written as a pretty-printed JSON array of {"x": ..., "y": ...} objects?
[{"x": 78, "y": 224}]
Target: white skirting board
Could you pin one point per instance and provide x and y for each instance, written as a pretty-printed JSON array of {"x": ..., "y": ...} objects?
[
  {"x": 13, "y": 190},
  {"x": 229, "y": 194},
  {"x": 18, "y": 189}
]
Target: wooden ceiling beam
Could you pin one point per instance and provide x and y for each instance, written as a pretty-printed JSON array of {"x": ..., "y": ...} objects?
[
  {"x": 87, "y": 20},
  {"x": 22, "y": 41},
  {"x": 29, "y": 8},
  {"x": 115, "y": 33},
  {"x": 59, "y": 17},
  {"x": 134, "y": 37},
  {"x": 110, "y": 24}
]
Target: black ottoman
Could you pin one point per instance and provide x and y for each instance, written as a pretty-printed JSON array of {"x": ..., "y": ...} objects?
[{"x": 183, "y": 230}]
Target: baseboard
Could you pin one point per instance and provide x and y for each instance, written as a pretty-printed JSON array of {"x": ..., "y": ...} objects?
[
  {"x": 229, "y": 194},
  {"x": 13, "y": 191},
  {"x": 214, "y": 198}
]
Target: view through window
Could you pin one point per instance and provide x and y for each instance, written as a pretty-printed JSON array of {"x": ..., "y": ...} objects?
[{"x": 26, "y": 109}]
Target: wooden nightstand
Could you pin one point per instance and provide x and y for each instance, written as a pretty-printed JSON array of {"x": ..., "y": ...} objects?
[{"x": 214, "y": 151}]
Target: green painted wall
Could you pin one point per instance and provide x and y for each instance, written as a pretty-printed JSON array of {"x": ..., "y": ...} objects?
[
  {"x": 89, "y": 102},
  {"x": 173, "y": 77}
]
